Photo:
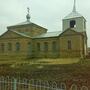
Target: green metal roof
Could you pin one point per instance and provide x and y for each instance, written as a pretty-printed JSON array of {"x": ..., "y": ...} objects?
[
  {"x": 73, "y": 15},
  {"x": 44, "y": 35},
  {"x": 49, "y": 34}
]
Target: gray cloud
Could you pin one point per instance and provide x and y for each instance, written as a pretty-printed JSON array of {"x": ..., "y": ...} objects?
[{"x": 48, "y": 13}]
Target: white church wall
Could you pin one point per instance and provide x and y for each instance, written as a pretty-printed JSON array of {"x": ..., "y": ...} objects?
[{"x": 80, "y": 21}]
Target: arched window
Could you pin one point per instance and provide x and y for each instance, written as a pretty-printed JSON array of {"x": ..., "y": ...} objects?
[
  {"x": 9, "y": 47},
  {"x": 45, "y": 46},
  {"x": 72, "y": 23},
  {"x": 54, "y": 46},
  {"x": 38, "y": 46},
  {"x": 84, "y": 88},
  {"x": 69, "y": 44},
  {"x": 73, "y": 87},
  {"x": 63, "y": 86},
  {"x": 17, "y": 46},
  {"x": 2, "y": 47},
  {"x": 29, "y": 46}
]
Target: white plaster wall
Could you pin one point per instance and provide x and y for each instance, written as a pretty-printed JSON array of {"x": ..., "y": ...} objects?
[{"x": 80, "y": 27}]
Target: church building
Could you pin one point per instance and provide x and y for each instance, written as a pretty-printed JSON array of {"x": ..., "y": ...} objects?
[{"x": 28, "y": 39}]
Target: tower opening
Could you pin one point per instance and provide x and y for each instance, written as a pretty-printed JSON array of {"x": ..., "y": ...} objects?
[{"x": 72, "y": 23}]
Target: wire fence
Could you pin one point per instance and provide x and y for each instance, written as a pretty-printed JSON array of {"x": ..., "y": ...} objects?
[{"x": 7, "y": 83}]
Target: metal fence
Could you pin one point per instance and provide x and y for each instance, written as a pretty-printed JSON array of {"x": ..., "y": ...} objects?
[{"x": 7, "y": 83}]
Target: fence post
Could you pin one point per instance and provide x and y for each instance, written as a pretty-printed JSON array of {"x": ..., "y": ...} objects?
[
  {"x": 15, "y": 84},
  {"x": 40, "y": 84}
]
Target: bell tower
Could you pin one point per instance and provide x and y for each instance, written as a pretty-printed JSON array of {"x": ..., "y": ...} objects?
[{"x": 74, "y": 20}]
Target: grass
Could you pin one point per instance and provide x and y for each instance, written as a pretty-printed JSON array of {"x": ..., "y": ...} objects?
[
  {"x": 50, "y": 69},
  {"x": 58, "y": 61},
  {"x": 41, "y": 61}
]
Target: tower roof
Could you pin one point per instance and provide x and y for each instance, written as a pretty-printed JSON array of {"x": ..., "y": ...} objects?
[{"x": 74, "y": 13}]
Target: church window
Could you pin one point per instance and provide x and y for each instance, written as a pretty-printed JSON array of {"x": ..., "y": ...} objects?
[
  {"x": 69, "y": 44},
  {"x": 27, "y": 30},
  {"x": 72, "y": 23},
  {"x": 2, "y": 47},
  {"x": 38, "y": 46},
  {"x": 9, "y": 46},
  {"x": 29, "y": 46},
  {"x": 45, "y": 46},
  {"x": 17, "y": 46},
  {"x": 54, "y": 46}
]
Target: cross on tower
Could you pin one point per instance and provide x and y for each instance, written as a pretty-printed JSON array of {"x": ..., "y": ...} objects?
[
  {"x": 28, "y": 9},
  {"x": 74, "y": 6}
]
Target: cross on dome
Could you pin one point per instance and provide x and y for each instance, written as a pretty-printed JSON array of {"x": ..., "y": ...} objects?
[
  {"x": 28, "y": 15},
  {"x": 28, "y": 9}
]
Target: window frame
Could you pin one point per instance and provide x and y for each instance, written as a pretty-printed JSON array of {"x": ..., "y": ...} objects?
[
  {"x": 18, "y": 46},
  {"x": 72, "y": 23},
  {"x": 9, "y": 47},
  {"x": 2, "y": 47},
  {"x": 45, "y": 46},
  {"x": 54, "y": 46},
  {"x": 69, "y": 44},
  {"x": 38, "y": 46}
]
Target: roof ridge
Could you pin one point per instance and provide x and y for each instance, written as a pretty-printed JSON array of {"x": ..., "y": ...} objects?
[
  {"x": 22, "y": 34},
  {"x": 54, "y": 31},
  {"x": 73, "y": 15}
]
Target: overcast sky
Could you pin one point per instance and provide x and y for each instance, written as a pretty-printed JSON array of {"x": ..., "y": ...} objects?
[{"x": 47, "y": 13}]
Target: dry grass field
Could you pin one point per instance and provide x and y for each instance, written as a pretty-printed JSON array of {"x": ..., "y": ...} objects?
[
  {"x": 46, "y": 69},
  {"x": 40, "y": 61}
]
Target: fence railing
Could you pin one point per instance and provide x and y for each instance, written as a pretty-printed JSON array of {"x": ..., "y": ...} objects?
[{"x": 7, "y": 83}]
